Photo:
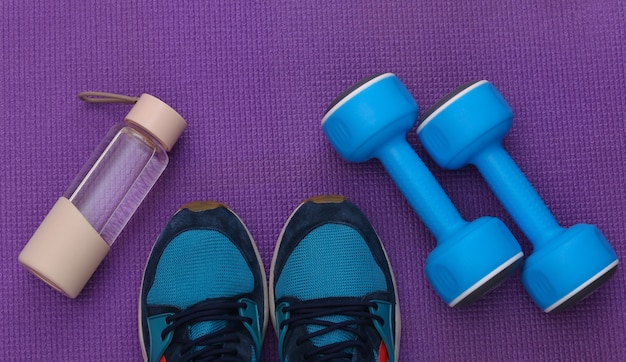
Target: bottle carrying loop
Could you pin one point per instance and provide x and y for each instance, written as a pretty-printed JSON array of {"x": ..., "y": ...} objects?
[{"x": 105, "y": 97}]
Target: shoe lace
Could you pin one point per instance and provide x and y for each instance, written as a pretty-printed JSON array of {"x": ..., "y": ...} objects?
[
  {"x": 357, "y": 315},
  {"x": 212, "y": 346}
]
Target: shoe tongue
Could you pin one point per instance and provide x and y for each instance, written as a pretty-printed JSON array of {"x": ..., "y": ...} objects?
[
  {"x": 336, "y": 336},
  {"x": 201, "y": 329}
]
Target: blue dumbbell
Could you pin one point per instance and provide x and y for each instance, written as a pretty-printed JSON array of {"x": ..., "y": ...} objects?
[
  {"x": 370, "y": 120},
  {"x": 466, "y": 127}
]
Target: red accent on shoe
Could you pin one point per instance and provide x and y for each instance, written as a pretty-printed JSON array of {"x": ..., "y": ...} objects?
[
  {"x": 383, "y": 355},
  {"x": 162, "y": 359}
]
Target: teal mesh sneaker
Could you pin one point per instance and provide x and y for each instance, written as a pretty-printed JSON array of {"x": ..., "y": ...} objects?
[
  {"x": 203, "y": 295},
  {"x": 332, "y": 291}
]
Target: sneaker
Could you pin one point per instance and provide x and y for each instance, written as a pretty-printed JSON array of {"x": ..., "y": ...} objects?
[
  {"x": 332, "y": 291},
  {"x": 203, "y": 294}
]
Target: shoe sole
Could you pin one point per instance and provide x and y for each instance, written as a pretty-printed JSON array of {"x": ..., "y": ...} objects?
[
  {"x": 198, "y": 206},
  {"x": 272, "y": 303}
]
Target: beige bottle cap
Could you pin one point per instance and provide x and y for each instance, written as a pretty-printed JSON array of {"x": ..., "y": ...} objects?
[
  {"x": 65, "y": 250},
  {"x": 159, "y": 119}
]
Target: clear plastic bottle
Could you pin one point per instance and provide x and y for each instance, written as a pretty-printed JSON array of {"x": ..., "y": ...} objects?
[{"x": 76, "y": 234}]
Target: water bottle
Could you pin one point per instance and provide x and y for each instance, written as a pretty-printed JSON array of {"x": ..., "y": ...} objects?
[{"x": 79, "y": 230}]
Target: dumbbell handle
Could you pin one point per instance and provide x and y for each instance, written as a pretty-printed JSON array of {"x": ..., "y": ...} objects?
[
  {"x": 420, "y": 188},
  {"x": 516, "y": 194}
]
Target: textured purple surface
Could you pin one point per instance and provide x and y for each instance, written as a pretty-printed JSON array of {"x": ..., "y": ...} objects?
[{"x": 253, "y": 80}]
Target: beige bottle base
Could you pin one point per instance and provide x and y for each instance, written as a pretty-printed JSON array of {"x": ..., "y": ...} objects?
[{"x": 65, "y": 250}]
